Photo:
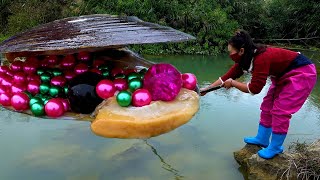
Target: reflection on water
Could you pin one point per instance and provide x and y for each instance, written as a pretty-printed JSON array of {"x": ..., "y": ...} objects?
[{"x": 33, "y": 148}]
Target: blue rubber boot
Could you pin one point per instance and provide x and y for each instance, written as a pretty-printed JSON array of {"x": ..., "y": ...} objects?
[
  {"x": 262, "y": 138},
  {"x": 274, "y": 148}
]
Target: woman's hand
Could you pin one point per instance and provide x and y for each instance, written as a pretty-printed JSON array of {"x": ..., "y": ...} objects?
[{"x": 228, "y": 83}]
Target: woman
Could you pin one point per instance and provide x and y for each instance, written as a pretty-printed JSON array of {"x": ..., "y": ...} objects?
[{"x": 293, "y": 77}]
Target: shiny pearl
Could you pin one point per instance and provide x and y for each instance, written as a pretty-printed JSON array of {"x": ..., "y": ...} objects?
[
  {"x": 20, "y": 101},
  {"x": 54, "y": 108},
  {"x": 81, "y": 68},
  {"x": 141, "y": 97},
  {"x": 19, "y": 77},
  {"x": 105, "y": 89},
  {"x": 33, "y": 87},
  {"x": 16, "y": 66}
]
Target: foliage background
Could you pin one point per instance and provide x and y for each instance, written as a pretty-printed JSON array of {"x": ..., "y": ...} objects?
[{"x": 211, "y": 21}]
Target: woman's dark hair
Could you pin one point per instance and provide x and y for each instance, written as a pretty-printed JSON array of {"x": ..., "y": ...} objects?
[{"x": 242, "y": 39}]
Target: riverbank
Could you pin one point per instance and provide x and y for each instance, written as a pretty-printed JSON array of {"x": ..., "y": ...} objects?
[{"x": 301, "y": 161}]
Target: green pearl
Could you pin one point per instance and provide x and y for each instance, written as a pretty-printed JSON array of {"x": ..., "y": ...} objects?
[
  {"x": 34, "y": 100},
  {"x": 39, "y": 96},
  {"x": 44, "y": 88},
  {"x": 105, "y": 73},
  {"x": 37, "y": 109},
  {"x": 66, "y": 90},
  {"x": 46, "y": 100},
  {"x": 40, "y": 71},
  {"x": 28, "y": 94},
  {"x": 104, "y": 68},
  {"x": 133, "y": 75},
  {"x": 124, "y": 98},
  {"x": 56, "y": 72},
  {"x": 135, "y": 84},
  {"x": 120, "y": 76},
  {"x": 45, "y": 77},
  {"x": 55, "y": 91}
]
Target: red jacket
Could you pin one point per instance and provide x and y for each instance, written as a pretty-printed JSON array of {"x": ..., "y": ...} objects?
[{"x": 274, "y": 61}]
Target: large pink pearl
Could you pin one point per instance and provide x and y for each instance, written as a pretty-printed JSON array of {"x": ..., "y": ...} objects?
[
  {"x": 18, "y": 87},
  {"x": 54, "y": 108},
  {"x": 98, "y": 62},
  {"x": 44, "y": 63},
  {"x": 95, "y": 70},
  {"x": 30, "y": 68},
  {"x": 20, "y": 101},
  {"x": 66, "y": 104},
  {"x": 4, "y": 69},
  {"x": 105, "y": 89},
  {"x": 19, "y": 77},
  {"x": 7, "y": 81},
  {"x": 189, "y": 81},
  {"x": 121, "y": 84},
  {"x": 69, "y": 75},
  {"x": 34, "y": 87},
  {"x": 84, "y": 56},
  {"x": 81, "y": 68},
  {"x": 5, "y": 99},
  {"x": 58, "y": 81},
  {"x": 16, "y": 66},
  {"x": 33, "y": 77},
  {"x": 68, "y": 62},
  {"x": 116, "y": 71},
  {"x": 141, "y": 97},
  {"x": 52, "y": 60}
]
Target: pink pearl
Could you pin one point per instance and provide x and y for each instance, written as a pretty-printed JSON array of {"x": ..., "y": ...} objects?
[
  {"x": 19, "y": 77},
  {"x": 18, "y": 87},
  {"x": 30, "y": 68},
  {"x": 34, "y": 87},
  {"x": 32, "y": 60},
  {"x": 58, "y": 81},
  {"x": 141, "y": 97},
  {"x": 20, "y": 101},
  {"x": 3, "y": 89},
  {"x": 98, "y": 62},
  {"x": 189, "y": 81},
  {"x": 81, "y": 68},
  {"x": 116, "y": 71},
  {"x": 44, "y": 63},
  {"x": 54, "y": 108},
  {"x": 4, "y": 69},
  {"x": 2, "y": 75},
  {"x": 84, "y": 56},
  {"x": 33, "y": 77},
  {"x": 5, "y": 99},
  {"x": 105, "y": 89},
  {"x": 52, "y": 60},
  {"x": 121, "y": 84},
  {"x": 68, "y": 62},
  {"x": 66, "y": 104},
  {"x": 10, "y": 72},
  {"x": 16, "y": 66},
  {"x": 95, "y": 70},
  {"x": 7, "y": 81},
  {"x": 69, "y": 75}
]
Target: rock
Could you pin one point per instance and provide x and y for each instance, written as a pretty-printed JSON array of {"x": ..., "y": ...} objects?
[{"x": 257, "y": 168}]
